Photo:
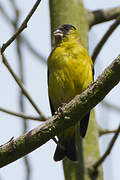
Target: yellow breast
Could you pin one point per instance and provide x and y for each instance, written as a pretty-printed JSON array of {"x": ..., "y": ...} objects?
[{"x": 70, "y": 72}]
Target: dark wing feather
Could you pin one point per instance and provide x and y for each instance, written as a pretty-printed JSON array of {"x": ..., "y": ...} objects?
[
  {"x": 93, "y": 71},
  {"x": 84, "y": 122},
  {"x": 51, "y": 105}
]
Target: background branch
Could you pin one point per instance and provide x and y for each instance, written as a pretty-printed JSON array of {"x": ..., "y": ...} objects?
[
  {"x": 20, "y": 85},
  {"x": 105, "y": 38},
  {"x": 106, "y": 131},
  {"x": 21, "y": 74},
  {"x": 107, "y": 152},
  {"x": 102, "y": 15},
  {"x": 5, "y": 15},
  {"x": 32, "y": 50},
  {"x": 21, "y": 115},
  {"x": 72, "y": 112},
  {"x": 22, "y": 27},
  {"x": 23, "y": 38}
]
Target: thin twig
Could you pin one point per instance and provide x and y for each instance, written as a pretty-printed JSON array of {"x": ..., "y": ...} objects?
[
  {"x": 21, "y": 74},
  {"x": 33, "y": 51},
  {"x": 107, "y": 152},
  {"x": 106, "y": 131},
  {"x": 102, "y": 15},
  {"x": 21, "y": 85},
  {"x": 104, "y": 39},
  {"x": 22, "y": 27},
  {"x": 14, "y": 24},
  {"x": 21, "y": 101},
  {"x": 21, "y": 115},
  {"x": 5, "y": 60},
  {"x": 7, "y": 18},
  {"x": 15, "y": 9},
  {"x": 23, "y": 38}
]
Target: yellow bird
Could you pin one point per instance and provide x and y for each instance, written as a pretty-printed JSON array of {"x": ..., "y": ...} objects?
[{"x": 70, "y": 71}]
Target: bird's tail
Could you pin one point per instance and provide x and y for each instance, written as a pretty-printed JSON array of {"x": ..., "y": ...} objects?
[{"x": 68, "y": 149}]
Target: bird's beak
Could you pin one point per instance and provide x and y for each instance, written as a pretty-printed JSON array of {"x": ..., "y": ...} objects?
[{"x": 58, "y": 33}]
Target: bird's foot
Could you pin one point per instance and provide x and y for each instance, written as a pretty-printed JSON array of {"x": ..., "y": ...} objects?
[
  {"x": 90, "y": 85},
  {"x": 59, "y": 110}
]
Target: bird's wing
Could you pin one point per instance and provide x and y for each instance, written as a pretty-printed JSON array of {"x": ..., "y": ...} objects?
[
  {"x": 84, "y": 122},
  {"x": 51, "y": 105}
]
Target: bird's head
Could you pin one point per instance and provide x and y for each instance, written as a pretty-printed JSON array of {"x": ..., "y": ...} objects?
[{"x": 63, "y": 32}]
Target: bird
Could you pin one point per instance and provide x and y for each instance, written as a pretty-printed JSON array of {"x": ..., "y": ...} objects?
[{"x": 70, "y": 72}]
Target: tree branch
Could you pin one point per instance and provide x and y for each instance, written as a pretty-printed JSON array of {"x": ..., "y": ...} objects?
[
  {"x": 21, "y": 85},
  {"x": 107, "y": 152},
  {"x": 23, "y": 38},
  {"x": 106, "y": 131},
  {"x": 22, "y": 27},
  {"x": 102, "y": 15},
  {"x": 105, "y": 38},
  {"x": 67, "y": 116},
  {"x": 21, "y": 115},
  {"x": 21, "y": 75},
  {"x": 7, "y": 18},
  {"x": 32, "y": 50}
]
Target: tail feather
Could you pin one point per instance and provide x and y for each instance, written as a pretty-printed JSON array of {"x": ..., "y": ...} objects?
[
  {"x": 69, "y": 150},
  {"x": 59, "y": 154},
  {"x": 69, "y": 147}
]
